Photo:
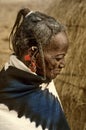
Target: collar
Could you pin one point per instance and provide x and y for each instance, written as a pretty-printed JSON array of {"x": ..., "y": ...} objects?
[{"x": 15, "y": 62}]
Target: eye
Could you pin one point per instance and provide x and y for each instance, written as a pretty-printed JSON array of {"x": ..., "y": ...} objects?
[{"x": 59, "y": 57}]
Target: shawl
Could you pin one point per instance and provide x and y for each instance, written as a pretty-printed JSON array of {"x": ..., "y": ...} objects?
[{"x": 21, "y": 93}]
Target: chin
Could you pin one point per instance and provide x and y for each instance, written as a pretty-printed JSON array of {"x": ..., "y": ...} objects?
[{"x": 51, "y": 77}]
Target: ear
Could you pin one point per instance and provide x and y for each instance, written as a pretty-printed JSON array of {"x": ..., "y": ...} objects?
[{"x": 31, "y": 53}]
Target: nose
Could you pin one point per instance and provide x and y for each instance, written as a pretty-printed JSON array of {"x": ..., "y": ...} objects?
[{"x": 62, "y": 64}]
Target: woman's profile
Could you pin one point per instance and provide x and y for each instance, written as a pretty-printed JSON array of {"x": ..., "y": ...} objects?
[{"x": 28, "y": 98}]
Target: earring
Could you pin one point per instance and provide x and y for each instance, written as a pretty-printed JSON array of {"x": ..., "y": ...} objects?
[
  {"x": 27, "y": 58},
  {"x": 33, "y": 66},
  {"x": 34, "y": 48}
]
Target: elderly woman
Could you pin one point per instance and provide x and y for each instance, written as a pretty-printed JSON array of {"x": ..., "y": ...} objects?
[{"x": 28, "y": 98}]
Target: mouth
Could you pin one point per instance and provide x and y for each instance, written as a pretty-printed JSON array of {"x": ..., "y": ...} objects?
[{"x": 54, "y": 73}]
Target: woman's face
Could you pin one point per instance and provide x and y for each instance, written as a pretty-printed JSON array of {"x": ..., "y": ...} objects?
[{"x": 54, "y": 54}]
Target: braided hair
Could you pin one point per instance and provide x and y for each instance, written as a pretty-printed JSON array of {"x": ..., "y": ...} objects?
[{"x": 33, "y": 29}]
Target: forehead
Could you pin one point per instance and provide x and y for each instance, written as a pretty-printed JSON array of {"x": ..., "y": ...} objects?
[{"x": 58, "y": 42}]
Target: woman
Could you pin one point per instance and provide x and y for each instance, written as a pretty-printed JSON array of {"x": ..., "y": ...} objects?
[{"x": 28, "y": 99}]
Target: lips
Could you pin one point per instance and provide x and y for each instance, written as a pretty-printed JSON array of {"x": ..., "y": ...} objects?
[{"x": 55, "y": 72}]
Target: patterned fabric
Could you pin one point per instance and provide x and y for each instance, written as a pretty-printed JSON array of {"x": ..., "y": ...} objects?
[{"x": 21, "y": 92}]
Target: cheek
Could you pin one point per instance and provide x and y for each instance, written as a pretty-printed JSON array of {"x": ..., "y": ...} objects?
[
  {"x": 51, "y": 64},
  {"x": 48, "y": 63},
  {"x": 38, "y": 62}
]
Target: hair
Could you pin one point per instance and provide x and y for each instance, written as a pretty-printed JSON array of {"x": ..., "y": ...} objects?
[{"x": 33, "y": 29}]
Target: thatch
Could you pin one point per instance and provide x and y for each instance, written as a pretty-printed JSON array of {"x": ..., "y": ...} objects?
[{"x": 71, "y": 83}]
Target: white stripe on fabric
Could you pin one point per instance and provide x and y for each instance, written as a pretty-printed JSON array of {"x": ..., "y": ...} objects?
[
  {"x": 10, "y": 121},
  {"x": 15, "y": 62}
]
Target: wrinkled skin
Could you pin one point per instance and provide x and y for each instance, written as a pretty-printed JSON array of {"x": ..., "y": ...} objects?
[{"x": 54, "y": 54}]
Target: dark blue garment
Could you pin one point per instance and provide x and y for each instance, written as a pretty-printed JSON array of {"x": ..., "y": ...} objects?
[{"x": 20, "y": 91}]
